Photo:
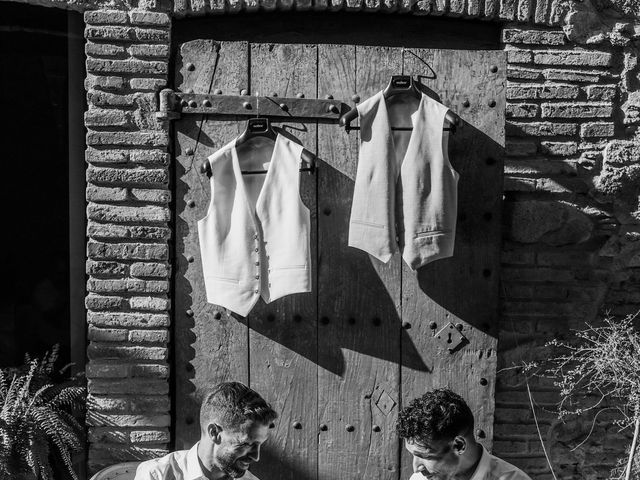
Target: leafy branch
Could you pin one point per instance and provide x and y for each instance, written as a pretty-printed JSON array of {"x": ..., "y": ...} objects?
[{"x": 602, "y": 365}]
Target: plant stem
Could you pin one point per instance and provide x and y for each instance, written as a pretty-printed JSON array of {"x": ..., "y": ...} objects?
[{"x": 634, "y": 443}]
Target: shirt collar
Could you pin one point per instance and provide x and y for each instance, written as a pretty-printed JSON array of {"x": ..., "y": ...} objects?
[
  {"x": 483, "y": 465},
  {"x": 194, "y": 470}
]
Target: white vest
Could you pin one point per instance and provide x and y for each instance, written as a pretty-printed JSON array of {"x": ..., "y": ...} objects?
[
  {"x": 410, "y": 200},
  {"x": 254, "y": 240}
]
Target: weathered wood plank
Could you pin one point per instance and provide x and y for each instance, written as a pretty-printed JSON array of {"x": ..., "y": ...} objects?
[
  {"x": 462, "y": 289},
  {"x": 358, "y": 297},
  {"x": 209, "y": 345},
  {"x": 283, "y": 349}
]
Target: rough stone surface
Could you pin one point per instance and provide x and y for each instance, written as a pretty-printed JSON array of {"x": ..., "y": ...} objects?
[{"x": 552, "y": 223}]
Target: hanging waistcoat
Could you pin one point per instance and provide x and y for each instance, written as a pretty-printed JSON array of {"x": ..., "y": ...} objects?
[
  {"x": 254, "y": 240},
  {"x": 410, "y": 201}
]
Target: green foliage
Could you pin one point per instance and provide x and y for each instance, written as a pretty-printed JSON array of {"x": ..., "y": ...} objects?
[{"x": 36, "y": 419}]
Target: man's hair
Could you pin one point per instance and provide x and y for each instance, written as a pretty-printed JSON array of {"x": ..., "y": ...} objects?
[
  {"x": 231, "y": 404},
  {"x": 435, "y": 416}
]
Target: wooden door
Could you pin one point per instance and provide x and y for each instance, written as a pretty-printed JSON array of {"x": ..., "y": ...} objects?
[{"x": 339, "y": 363}]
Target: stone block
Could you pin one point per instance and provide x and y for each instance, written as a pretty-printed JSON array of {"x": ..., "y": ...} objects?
[
  {"x": 559, "y": 148},
  {"x": 558, "y": 91},
  {"x": 124, "y": 214},
  {"x": 106, "y": 99},
  {"x": 149, "y": 336},
  {"x": 104, "y": 50},
  {"x": 140, "y": 139},
  {"x": 140, "y": 17},
  {"x": 98, "y": 117},
  {"x": 106, "y": 268},
  {"x": 106, "y": 370},
  {"x": 553, "y": 223},
  {"x": 127, "y": 251},
  {"x": 149, "y": 50},
  {"x": 145, "y": 269},
  {"x": 597, "y": 129},
  {"x": 135, "y": 232},
  {"x": 130, "y": 66},
  {"x": 97, "y": 419},
  {"x": 539, "y": 166},
  {"x": 521, "y": 73},
  {"x": 524, "y": 91},
  {"x": 521, "y": 148},
  {"x": 107, "y": 334},
  {"x": 149, "y": 436},
  {"x": 561, "y": 185},
  {"x": 106, "y": 17},
  {"x": 518, "y": 184},
  {"x": 111, "y": 82},
  {"x": 578, "y": 76},
  {"x": 127, "y": 285},
  {"x": 128, "y": 319},
  {"x": 541, "y": 129},
  {"x": 149, "y": 303},
  {"x": 621, "y": 153},
  {"x": 104, "y": 302},
  {"x": 152, "y": 35},
  {"x": 147, "y": 157},
  {"x": 533, "y": 37},
  {"x": 139, "y": 402},
  {"x": 109, "y": 33},
  {"x": 521, "y": 110},
  {"x": 127, "y": 175},
  {"x": 601, "y": 92},
  {"x": 119, "y": 352},
  {"x": 572, "y": 58},
  {"x": 152, "y": 195},
  {"x": 576, "y": 110},
  {"x": 631, "y": 109},
  {"x": 150, "y": 370},
  {"x": 147, "y": 84},
  {"x": 518, "y": 56},
  {"x": 107, "y": 434},
  {"x": 96, "y": 193}
]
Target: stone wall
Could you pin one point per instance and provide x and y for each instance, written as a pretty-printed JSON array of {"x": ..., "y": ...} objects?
[
  {"x": 128, "y": 228},
  {"x": 571, "y": 202},
  {"x": 571, "y": 248}
]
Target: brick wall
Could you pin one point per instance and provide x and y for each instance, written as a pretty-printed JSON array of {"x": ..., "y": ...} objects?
[
  {"x": 572, "y": 219},
  {"x": 128, "y": 233},
  {"x": 571, "y": 249}
]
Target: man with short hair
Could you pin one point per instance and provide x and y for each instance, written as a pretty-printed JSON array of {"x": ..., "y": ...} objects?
[
  {"x": 234, "y": 423},
  {"x": 437, "y": 429}
]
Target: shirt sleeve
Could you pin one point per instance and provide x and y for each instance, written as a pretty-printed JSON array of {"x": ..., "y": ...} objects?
[{"x": 144, "y": 472}]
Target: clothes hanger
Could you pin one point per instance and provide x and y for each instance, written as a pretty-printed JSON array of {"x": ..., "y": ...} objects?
[
  {"x": 399, "y": 85},
  {"x": 261, "y": 127}
]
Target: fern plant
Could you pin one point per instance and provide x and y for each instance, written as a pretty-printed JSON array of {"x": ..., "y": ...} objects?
[{"x": 36, "y": 420}]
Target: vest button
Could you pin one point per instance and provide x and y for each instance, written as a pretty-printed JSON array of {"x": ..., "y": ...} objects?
[
  {"x": 256, "y": 291},
  {"x": 255, "y": 236},
  {"x": 257, "y": 277},
  {"x": 257, "y": 263},
  {"x": 257, "y": 249}
]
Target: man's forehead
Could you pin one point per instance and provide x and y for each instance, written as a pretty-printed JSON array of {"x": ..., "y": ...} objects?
[
  {"x": 249, "y": 431},
  {"x": 423, "y": 446}
]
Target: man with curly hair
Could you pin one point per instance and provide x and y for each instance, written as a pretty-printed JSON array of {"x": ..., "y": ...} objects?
[
  {"x": 437, "y": 429},
  {"x": 234, "y": 423}
]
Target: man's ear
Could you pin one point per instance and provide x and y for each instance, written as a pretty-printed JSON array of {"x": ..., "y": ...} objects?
[
  {"x": 214, "y": 430},
  {"x": 459, "y": 445}
]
